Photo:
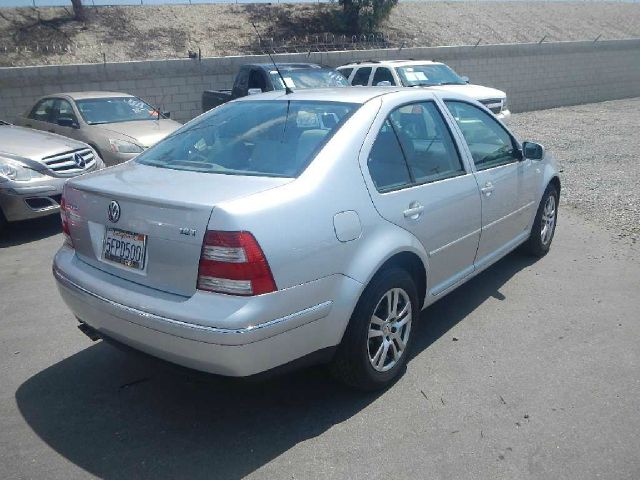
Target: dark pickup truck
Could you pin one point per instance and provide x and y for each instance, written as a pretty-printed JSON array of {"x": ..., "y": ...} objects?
[{"x": 263, "y": 77}]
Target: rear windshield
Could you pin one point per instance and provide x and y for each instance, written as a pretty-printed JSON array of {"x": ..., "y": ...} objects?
[
  {"x": 265, "y": 138},
  {"x": 96, "y": 111},
  {"x": 308, "y": 78}
]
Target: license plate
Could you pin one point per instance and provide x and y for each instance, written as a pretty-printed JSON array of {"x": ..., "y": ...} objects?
[{"x": 125, "y": 248}]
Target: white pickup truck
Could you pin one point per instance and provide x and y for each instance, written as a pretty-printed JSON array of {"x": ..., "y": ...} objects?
[{"x": 424, "y": 73}]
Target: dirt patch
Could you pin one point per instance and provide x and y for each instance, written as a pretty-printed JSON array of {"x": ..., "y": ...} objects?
[{"x": 31, "y": 36}]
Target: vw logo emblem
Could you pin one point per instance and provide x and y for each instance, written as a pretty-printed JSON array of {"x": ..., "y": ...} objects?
[
  {"x": 79, "y": 160},
  {"x": 114, "y": 211}
]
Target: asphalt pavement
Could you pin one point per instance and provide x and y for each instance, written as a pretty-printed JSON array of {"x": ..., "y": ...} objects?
[{"x": 530, "y": 370}]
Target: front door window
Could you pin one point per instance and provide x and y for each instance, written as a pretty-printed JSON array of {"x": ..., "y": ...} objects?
[{"x": 490, "y": 144}]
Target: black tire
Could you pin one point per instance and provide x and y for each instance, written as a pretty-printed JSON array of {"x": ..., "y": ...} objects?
[
  {"x": 4, "y": 225},
  {"x": 535, "y": 245},
  {"x": 351, "y": 363}
]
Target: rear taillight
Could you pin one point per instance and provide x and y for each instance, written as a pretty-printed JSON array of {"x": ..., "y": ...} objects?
[
  {"x": 64, "y": 216},
  {"x": 234, "y": 263}
]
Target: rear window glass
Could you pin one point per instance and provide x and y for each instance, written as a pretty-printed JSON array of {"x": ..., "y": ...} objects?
[
  {"x": 308, "y": 78},
  {"x": 265, "y": 138}
]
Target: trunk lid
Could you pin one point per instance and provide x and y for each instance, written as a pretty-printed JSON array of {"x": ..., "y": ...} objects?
[{"x": 171, "y": 207}]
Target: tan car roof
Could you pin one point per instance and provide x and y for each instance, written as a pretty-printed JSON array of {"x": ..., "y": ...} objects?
[{"x": 96, "y": 94}]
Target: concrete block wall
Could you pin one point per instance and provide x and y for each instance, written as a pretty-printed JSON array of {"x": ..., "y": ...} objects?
[{"x": 535, "y": 76}]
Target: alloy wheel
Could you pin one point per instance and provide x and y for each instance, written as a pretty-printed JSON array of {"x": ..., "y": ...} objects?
[
  {"x": 548, "y": 221},
  {"x": 389, "y": 329}
]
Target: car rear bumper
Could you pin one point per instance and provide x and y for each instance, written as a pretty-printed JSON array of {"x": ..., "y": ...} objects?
[
  {"x": 31, "y": 200},
  {"x": 222, "y": 347}
]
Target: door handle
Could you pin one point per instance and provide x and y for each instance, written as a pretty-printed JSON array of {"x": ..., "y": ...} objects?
[
  {"x": 414, "y": 211},
  {"x": 51, "y": 131},
  {"x": 488, "y": 189},
  {"x": 28, "y": 125}
]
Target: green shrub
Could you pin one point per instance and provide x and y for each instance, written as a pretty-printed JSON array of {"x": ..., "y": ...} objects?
[{"x": 365, "y": 15}]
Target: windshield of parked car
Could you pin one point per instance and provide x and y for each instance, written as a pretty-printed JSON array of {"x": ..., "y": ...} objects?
[
  {"x": 429, "y": 75},
  {"x": 308, "y": 78},
  {"x": 95, "y": 111},
  {"x": 263, "y": 138}
]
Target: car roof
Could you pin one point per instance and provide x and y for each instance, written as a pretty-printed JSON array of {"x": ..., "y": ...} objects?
[
  {"x": 395, "y": 63},
  {"x": 341, "y": 94},
  {"x": 89, "y": 94},
  {"x": 286, "y": 66},
  {"x": 350, "y": 94}
]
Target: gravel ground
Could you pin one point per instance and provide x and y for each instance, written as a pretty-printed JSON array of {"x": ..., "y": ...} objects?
[
  {"x": 168, "y": 31},
  {"x": 598, "y": 157}
]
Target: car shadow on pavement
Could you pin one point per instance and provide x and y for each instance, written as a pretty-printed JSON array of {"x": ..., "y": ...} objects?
[
  {"x": 28, "y": 231},
  {"x": 124, "y": 416},
  {"x": 441, "y": 316}
]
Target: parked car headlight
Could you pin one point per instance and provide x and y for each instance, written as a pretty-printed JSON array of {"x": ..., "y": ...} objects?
[
  {"x": 122, "y": 146},
  {"x": 10, "y": 170}
]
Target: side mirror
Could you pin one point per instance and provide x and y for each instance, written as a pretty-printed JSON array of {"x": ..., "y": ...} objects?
[
  {"x": 465, "y": 79},
  {"x": 254, "y": 91},
  {"x": 532, "y": 151},
  {"x": 68, "y": 122},
  {"x": 383, "y": 83},
  {"x": 166, "y": 114}
]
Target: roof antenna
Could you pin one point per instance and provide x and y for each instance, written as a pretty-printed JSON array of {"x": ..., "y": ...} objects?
[{"x": 287, "y": 90}]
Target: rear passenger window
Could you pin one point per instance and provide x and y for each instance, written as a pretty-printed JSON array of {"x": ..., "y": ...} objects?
[
  {"x": 43, "y": 110},
  {"x": 257, "y": 80},
  {"x": 426, "y": 142},
  {"x": 383, "y": 75},
  {"x": 386, "y": 162},
  {"x": 362, "y": 76},
  {"x": 64, "y": 110},
  {"x": 345, "y": 72}
]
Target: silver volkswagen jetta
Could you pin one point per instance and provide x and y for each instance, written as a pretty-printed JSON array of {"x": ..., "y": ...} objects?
[{"x": 315, "y": 225}]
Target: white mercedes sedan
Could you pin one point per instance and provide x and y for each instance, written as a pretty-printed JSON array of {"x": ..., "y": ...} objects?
[{"x": 283, "y": 229}]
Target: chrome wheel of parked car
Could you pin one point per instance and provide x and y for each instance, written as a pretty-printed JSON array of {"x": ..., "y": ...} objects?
[
  {"x": 389, "y": 329},
  {"x": 548, "y": 222},
  {"x": 544, "y": 224},
  {"x": 378, "y": 339}
]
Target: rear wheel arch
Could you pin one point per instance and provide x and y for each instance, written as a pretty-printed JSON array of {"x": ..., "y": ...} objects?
[
  {"x": 353, "y": 362},
  {"x": 406, "y": 259},
  {"x": 412, "y": 264}
]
